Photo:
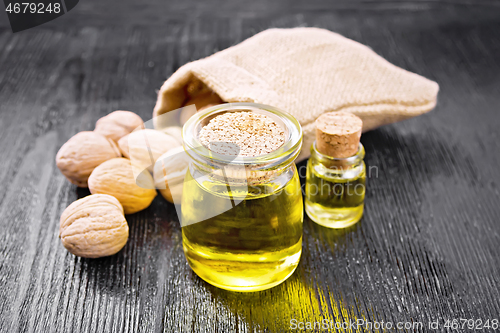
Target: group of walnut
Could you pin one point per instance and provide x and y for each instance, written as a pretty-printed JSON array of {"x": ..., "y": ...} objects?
[{"x": 95, "y": 226}]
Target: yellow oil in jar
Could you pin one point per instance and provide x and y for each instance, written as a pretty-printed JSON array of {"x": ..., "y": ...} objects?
[
  {"x": 253, "y": 245},
  {"x": 335, "y": 197}
]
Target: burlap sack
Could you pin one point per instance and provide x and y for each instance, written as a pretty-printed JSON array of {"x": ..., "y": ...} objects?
[{"x": 305, "y": 71}]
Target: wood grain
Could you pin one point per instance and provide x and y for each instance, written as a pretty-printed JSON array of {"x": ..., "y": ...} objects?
[{"x": 425, "y": 250}]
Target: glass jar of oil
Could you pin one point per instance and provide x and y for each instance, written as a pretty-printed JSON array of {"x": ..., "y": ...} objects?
[
  {"x": 242, "y": 215},
  {"x": 335, "y": 188}
]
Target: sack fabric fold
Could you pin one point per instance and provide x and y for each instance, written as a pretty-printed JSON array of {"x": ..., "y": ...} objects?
[{"x": 306, "y": 72}]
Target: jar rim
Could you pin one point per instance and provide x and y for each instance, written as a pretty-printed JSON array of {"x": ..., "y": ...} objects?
[{"x": 289, "y": 150}]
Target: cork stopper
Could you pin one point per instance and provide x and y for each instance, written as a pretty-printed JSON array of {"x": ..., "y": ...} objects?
[{"x": 338, "y": 134}]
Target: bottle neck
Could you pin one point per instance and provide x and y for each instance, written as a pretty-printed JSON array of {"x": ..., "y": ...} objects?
[{"x": 338, "y": 163}]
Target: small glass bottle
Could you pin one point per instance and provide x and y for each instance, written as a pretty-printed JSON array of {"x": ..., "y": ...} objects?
[
  {"x": 242, "y": 216},
  {"x": 336, "y": 172}
]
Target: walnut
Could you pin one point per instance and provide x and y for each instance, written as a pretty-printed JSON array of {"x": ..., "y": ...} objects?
[
  {"x": 116, "y": 177},
  {"x": 82, "y": 153},
  {"x": 169, "y": 172},
  {"x": 173, "y": 131},
  {"x": 145, "y": 146},
  {"x": 94, "y": 226},
  {"x": 117, "y": 124}
]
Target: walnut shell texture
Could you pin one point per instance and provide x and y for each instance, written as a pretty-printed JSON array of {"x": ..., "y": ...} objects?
[
  {"x": 82, "y": 153},
  {"x": 144, "y": 147},
  {"x": 117, "y": 124},
  {"x": 115, "y": 177},
  {"x": 169, "y": 172},
  {"x": 94, "y": 226},
  {"x": 173, "y": 131}
]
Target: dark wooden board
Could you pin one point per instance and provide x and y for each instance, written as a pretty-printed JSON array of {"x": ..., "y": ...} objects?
[{"x": 427, "y": 248}]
